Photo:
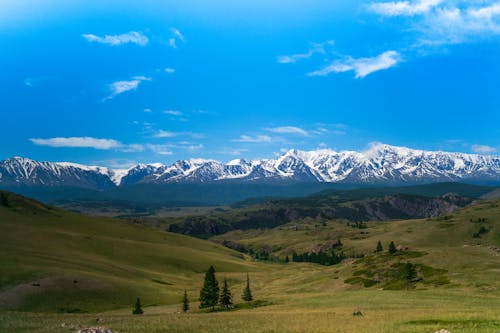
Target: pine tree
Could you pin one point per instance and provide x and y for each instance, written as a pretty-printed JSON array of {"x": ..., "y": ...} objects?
[
  {"x": 225, "y": 297},
  {"x": 137, "y": 307},
  {"x": 392, "y": 248},
  {"x": 209, "y": 294},
  {"x": 379, "y": 247},
  {"x": 247, "y": 293},
  {"x": 410, "y": 271},
  {"x": 185, "y": 302}
]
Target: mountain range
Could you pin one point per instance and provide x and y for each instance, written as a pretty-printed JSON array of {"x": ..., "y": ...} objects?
[{"x": 381, "y": 164}]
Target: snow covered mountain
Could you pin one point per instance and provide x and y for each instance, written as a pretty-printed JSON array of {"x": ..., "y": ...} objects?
[
  {"x": 23, "y": 171},
  {"x": 381, "y": 164}
]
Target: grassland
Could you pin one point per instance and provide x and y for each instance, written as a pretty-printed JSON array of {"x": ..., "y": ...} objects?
[
  {"x": 86, "y": 263},
  {"x": 114, "y": 262}
]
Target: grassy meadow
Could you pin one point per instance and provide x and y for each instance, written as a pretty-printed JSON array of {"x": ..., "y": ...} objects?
[{"x": 60, "y": 271}]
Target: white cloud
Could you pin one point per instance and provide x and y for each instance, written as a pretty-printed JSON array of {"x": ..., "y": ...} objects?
[
  {"x": 120, "y": 87},
  {"x": 148, "y": 110},
  {"x": 483, "y": 149},
  {"x": 322, "y": 145},
  {"x": 177, "y": 34},
  {"x": 169, "y": 134},
  {"x": 132, "y": 148},
  {"x": 233, "y": 151},
  {"x": 166, "y": 149},
  {"x": 452, "y": 25},
  {"x": 78, "y": 142},
  {"x": 404, "y": 8},
  {"x": 441, "y": 22},
  {"x": 169, "y": 70},
  {"x": 88, "y": 142},
  {"x": 288, "y": 130},
  {"x": 195, "y": 147},
  {"x": 160, "y": 149},
  {"x": 316, "y": 48},
  {"x": 173, "y": 113},
  {"x": 361, "y": 66},
  {"x": 172, "y": 43},
  {"x": 31, "y": 81},
  {"x": 166, "y": 134},
  {"x": 254, "y": 139},
  {"x": 132, "y": 37},
  {"x": 485, "y": 13}
]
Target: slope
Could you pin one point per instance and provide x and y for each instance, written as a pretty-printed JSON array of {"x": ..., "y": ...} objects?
[
  {"x": 54, "y": 260},
  {"x": 465, "y": 243}
]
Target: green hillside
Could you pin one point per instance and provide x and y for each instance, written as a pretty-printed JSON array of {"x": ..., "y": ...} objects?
[
  {"x": 465, "y": 243},
  {"x": 53, "y": 260},
  {"x": 44, "y": 250}
]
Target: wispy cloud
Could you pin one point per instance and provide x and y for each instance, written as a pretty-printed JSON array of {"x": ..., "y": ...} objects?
[
  {"x": 169, "y": 148},
  {"x": 31, "y": 81},
  {"x": 120, "y": 87},
  {"x": 164, "y": 150},
  {"x": 169, "y": 134},
  {"x": 176, "y": 35},
  {"x": 288, "y": 130},
  {"x": 439, "y": 22},
  {"x": 233, "y": 151},
  {"x": 131, "y": 148},
  {"x": 195, "y": 147},
  {"x": 169, "y": 70},
  {"x": 173, "y": 113},
  {"x": 316, "y": 48},
  {"x": 132, "y": 37},
  {"x": 404, "y": 8},
  {"x": 166, "y": 134},
  {"x": 360, "y": 66},
  {"x": 254, "y": 139},
  {"x": 78, "y": 142},
  {"x": 483, "y": 149},
  {"x": 172, "y": 43},
  {"x": 452, "y": 25}
]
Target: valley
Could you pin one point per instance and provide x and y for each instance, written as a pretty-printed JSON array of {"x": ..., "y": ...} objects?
[{"x": 61, "y": 270}]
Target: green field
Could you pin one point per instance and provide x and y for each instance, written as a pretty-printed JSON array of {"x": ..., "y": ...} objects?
[{"x": 59, "y": 270}]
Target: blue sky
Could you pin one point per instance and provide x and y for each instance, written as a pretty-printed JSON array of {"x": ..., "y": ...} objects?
[{"x": 155, "y": 81}]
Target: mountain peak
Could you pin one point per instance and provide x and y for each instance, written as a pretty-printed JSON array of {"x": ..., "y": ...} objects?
[{"x": 379, "y": 164}]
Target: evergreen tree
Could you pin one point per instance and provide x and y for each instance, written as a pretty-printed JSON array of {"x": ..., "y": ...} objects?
[
  {"x": 247, "y": 293},
  {"x": 379, "y": 247},
  {"x": 185, "y": 302},
  {"x": 137, "y": 307},
  {"x": 287, "y": 260},
  {"x": 392, "y": 248},
  {"x": 410, "y": 271},
  {"x": 209, "y": 294},
  {"x": 225, "y": 297}
]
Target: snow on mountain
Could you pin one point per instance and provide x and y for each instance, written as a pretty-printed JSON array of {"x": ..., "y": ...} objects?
[
  {"x": 380, "y": 164},
  {"x": 23, "y": 171}
]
